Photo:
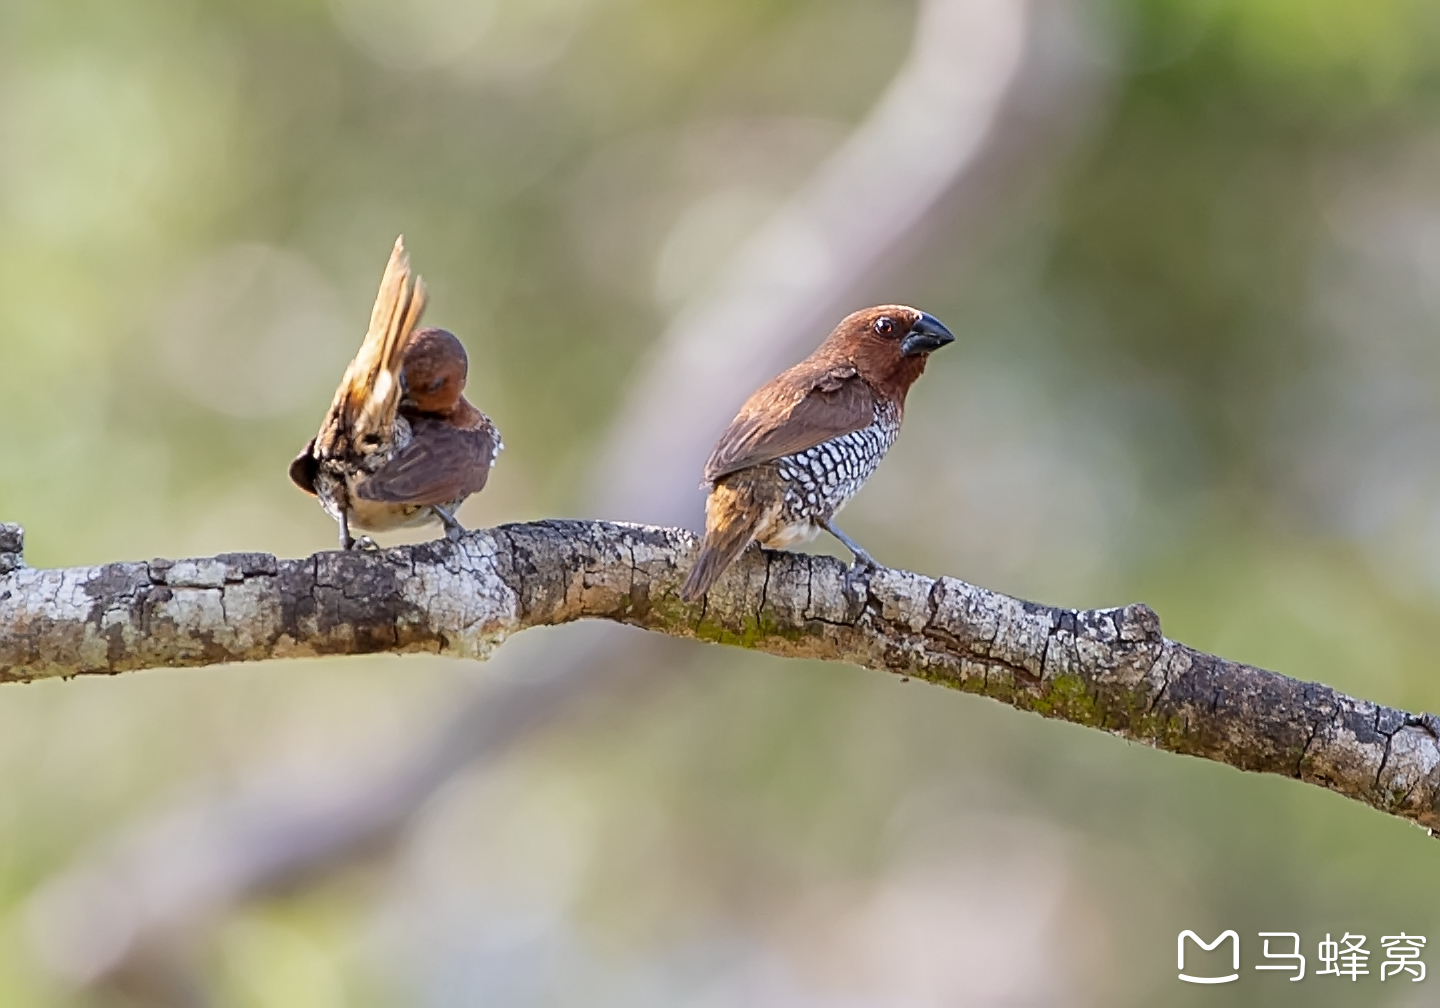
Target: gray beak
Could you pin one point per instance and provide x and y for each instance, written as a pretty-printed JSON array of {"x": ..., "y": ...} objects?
[{"x": 927, "y": 334}]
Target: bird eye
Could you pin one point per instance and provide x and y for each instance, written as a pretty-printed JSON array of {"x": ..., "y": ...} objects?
[
  {"x": 435, "y": 386},
  {"x": 884, "y": 325}
]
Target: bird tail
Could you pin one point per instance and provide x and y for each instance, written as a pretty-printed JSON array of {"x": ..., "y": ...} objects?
[
  {"x": 362, "y": 415},
  {"x": 733, "y": 513}
]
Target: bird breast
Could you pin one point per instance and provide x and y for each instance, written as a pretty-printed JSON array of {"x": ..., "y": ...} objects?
[{"x": 821, "y": 480}]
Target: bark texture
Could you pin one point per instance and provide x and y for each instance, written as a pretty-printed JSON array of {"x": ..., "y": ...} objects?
[{"x": 1104, "y": 668}]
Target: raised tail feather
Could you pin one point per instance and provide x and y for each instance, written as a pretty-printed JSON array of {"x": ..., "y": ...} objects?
[
  {"x": 733, "y": 513},
  {"x": 362, "y": 414}
]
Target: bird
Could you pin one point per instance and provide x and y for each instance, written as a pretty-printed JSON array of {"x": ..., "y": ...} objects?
[
  {"x": 401, "y": 445},
  {"x": 805, "y": 442}
]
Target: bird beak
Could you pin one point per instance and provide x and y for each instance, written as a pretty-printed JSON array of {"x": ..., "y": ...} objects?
[
  {"x": 928, "y": 333},
  {"x": 405, "y": 399}
]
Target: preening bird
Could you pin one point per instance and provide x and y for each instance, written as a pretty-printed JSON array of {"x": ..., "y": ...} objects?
[
  {"x": 401, "y": 445},
  {"x": 806, "y": 442}
]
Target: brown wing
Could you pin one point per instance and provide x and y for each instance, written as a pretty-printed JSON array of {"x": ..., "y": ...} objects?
[
  {"x": 441, "y": 463},
  {"x": 795, "y": 411}
]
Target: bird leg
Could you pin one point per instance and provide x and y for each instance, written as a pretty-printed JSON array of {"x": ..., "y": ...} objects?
[
  {"x": 863, "y": 560},
  {"x": 349, "y": 542},
  {"x": 453, "y": 529}
]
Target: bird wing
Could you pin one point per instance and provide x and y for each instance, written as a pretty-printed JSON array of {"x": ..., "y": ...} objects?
[
  {"x": 793, "y": 412},
  {"x": 362, "y": 414},
  {"x": 441, "y": 463}
]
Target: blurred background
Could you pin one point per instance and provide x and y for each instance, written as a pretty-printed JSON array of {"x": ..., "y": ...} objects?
[{"x": 1191, "y": 249}]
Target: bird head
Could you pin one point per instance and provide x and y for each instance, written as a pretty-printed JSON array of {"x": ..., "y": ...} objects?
[
  {"x": 889, "y": 344},
  {"x": 433, "y": 371}
]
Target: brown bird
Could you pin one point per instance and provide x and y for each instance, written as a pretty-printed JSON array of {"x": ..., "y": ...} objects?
[
  {"x": 807, "y": 441},
  {"x": 401, "y": 445}
]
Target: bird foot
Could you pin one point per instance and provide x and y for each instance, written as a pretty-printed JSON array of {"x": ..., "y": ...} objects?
[
  {"x": 857, "y": 576},
  {"x": 453, "y": 529},
  {"x": 365, "y": 543},
  {"x": 864, "y": 563}
]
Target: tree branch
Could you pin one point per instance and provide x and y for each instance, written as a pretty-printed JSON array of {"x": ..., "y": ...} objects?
[{"x": 1103, "y": 668}]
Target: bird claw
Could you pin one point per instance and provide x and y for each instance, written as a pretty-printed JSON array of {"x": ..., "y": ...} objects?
[
  {"x": 864, "y": 562},
  {"x": 857, "y": 576},
  {"x": 453, "y": 529},
  {"x": 367, "y": 544}
]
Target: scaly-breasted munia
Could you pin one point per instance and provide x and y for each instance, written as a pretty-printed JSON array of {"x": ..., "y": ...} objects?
[
  {"x": 401, "y": 445},
  {"x": 807, "y": 441}
]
